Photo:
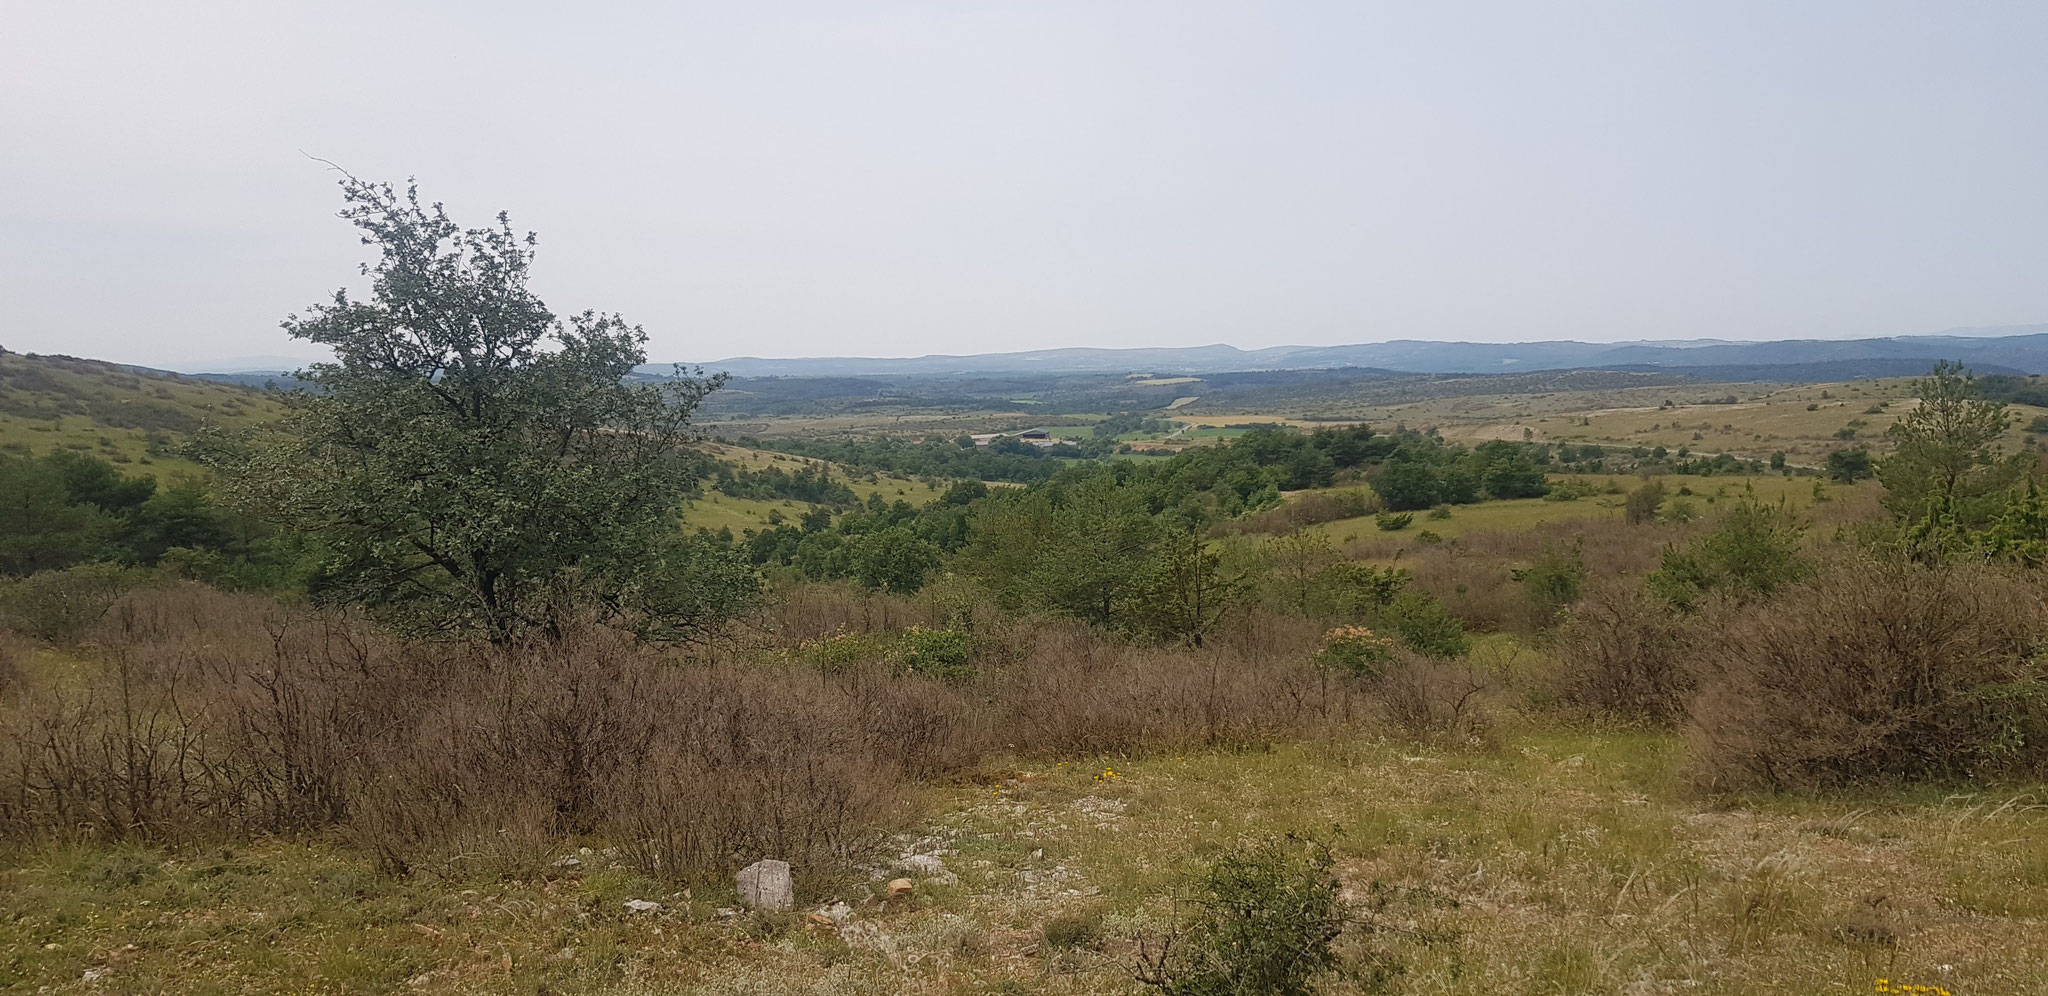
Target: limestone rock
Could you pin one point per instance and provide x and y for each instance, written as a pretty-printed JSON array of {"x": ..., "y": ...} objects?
[
  {"x": 642, "y": 905},
  {"x": 901, "y": 888},
  {"x": 766, "y": 885},
  {"x": 926, "y": 865}
]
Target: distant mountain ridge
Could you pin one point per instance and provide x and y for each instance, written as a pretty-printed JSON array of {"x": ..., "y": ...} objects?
[{"x": 2009, "y": 349}]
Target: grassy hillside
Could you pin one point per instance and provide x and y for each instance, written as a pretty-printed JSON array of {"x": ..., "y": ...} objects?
[
  {"x": 132, "y": 418},
  {"x": 715, "y": 510},
  {"x": 135, "y": 419}
]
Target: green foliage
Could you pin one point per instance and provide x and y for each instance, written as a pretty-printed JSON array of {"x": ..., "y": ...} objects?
[
  {"x": 1849, "y": 466},
  {"x": 1642, "y": 503},
  {"x": 2020, "y": 533},
  {"x": 41, "y": 526},
  {"x": 1555, "y": 580},
  {"x": 1082, "y": 550},
  {"x": 1355, "y": 651},
  {"x": 1267, "y": 916},
  {"x": 1073, "y": 929},
  {"x": 469, "y": 479},
  {"x": 839, "y": 651},
  {"x": 934, "y": 653},
  {"x": 940, "y": 652},
  {"x": 60, "y": 605},
  {"x": 1355, "y": 589},
  {"x": 1516, "y": 477},
  {"x": 812, "y": 484},
  {"x": 1409, "y": 485},
  {"x": 1393, "y": 521},
  {"x": 1946, "y": 461},
  {"x": 1186, "y": 591},
  {"x": 1571, "y": 489},
  {"x": 1752, "y": 552},
  {"x": 892, "y": 559},
  {"x": 1423, "y": 624}
]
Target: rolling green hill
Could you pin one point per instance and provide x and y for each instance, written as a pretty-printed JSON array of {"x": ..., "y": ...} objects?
[
  {"x": 129, "y": 416},
  {"x": 135, "y": 418}
]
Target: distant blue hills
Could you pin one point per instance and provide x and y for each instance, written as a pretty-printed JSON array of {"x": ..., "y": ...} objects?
[{"x": 2009, "y": 349}]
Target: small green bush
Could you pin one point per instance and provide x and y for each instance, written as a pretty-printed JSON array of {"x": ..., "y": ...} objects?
[
  {"x": 1393, "y": 521},
  {"x": 1641, "y": 504},
  {"x": 1066, "y": 931},
  {"x": 934, "y": 653},
  {"x": 1753, "y": 552},
  {"x": 1267, "y": 917},
  {"x": 1553, "y": 581},
  {"x": 839, "y": 651},
  {"x": 1424, "y": 625},
  {"x": 1355, "y": 651}
]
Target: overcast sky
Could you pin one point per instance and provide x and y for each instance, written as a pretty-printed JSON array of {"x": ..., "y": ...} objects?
[{"x": 785, "y": 179}]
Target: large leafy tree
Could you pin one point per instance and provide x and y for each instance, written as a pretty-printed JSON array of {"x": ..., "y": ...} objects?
[{"x": 479, "y": 465}]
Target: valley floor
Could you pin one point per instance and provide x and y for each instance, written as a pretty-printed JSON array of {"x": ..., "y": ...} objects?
[{"x": 1556, "y": 862}]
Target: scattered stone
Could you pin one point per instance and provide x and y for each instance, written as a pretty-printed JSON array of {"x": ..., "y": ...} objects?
[
  {"x": 568, "y": 861},
  {"x": 766, "y": 885},
  {"x": 725, "y": 913},
  {"x": 838, "y": 912},
  {"x": 901, "y": 888},
  {"x": 642, "y": 905},
  {"x": 94, "y": 974},
  {"x": 1038, "y": 854},
  {"x": 927, "y": 865}
]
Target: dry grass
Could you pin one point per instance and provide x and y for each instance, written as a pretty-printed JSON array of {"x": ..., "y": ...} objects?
[{"x": 1564, "y": 863}]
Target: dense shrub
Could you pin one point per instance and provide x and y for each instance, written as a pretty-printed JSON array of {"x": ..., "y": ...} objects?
[
  {"x": 1641, "y": 504},
  {"x": 1553, "y": 582},
  {"x": 1437, "y": 701},
  {"x": 1623, "y": 653},
  {"x": 60, "y": 605},
  {"x": 1879, "y": 671},
  {"x": 1355, "y": 651},
  {"x": 1753, "y": 551},
  {"x": 935, "y": 653},
  {"x": 1393, "y": 521},
  {"x": 1424, "y": 625}
]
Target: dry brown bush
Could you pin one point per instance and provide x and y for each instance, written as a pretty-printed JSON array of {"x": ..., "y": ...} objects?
[
  {"x": 225, "y": 715},
  {"x": 1622, "y": 653},
  {"x": 1070, "y": 690},
  {"x": 814, "y": 610},
  {"x": 1878, "y": 670},
  {"x": 1307, "y": 509},
  {"x": 1471, "y": 574},
  {"x": 196, "y": 715},
  {"x": 1443, "y": 702}
]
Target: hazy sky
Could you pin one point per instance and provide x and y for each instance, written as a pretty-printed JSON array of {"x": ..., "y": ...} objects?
[{"x": 784, "y": 179}]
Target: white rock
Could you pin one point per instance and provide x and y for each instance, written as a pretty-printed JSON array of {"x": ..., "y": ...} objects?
[
  {"x": 928, "y": 865},
  {"x": 569, "y": 861},
  {"x": 642, "y": 905},
  {"x": 766, "y": 885}
]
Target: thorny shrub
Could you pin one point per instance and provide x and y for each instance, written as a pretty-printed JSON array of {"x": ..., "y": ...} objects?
[{"x": 1878, "y": 670}]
